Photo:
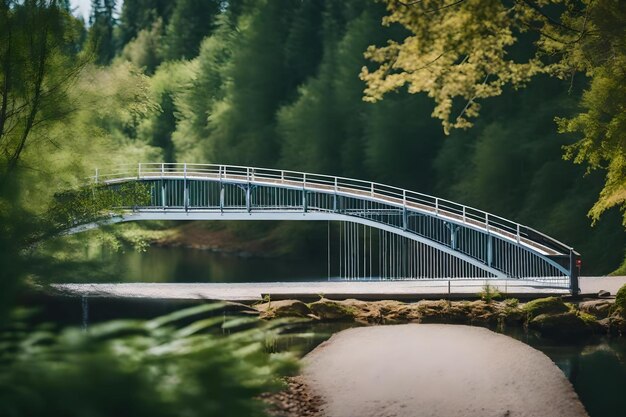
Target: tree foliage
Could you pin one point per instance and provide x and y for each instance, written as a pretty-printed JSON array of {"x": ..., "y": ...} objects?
[
  {"x": 138, "y": 15},
  {"x": 100, "y": 39},
  {"x": 37, "y": 66},
  {"x": 464, "y": 51},
  {"x": 176, "y": 364},
  {"x": 191, "y": 21}
]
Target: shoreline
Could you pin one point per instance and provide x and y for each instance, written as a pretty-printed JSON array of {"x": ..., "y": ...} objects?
[{"x": 551, "y": 317}]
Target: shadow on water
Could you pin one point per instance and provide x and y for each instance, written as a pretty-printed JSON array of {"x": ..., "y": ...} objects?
[
  {"x": 595, "y": 367},
  {"x": 196, "y": 265}
]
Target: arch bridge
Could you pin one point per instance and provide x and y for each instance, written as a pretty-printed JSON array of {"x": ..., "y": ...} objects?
[{"x": 384, "y": 232}]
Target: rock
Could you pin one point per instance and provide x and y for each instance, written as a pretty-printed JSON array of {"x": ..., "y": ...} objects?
[
  {"x": 283, "y": 308},
  {"x": 332, "y": 310},
  {"x": 510, "y": 312},
  {"x": 443, "y": 311},
  {"x": 549, "y": 305},
  {"x": 620, "y": 301},
  {"x": 603, "y": 294},
  {"x": 598, "y": 308},
  {"x": 616, "y": 324},
  {"x": 513, "y": 317},
  {"x": 483, "y": 312},
  {"x": 381, "y": 312},
  {"x": 565, "y": 325}
]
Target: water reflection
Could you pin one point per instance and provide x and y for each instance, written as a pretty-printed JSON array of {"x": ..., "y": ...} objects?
[
  {"x": 596, "y": 369},
  {"x": 194, "y": 265}
]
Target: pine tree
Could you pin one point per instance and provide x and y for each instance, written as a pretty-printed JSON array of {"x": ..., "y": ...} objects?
[
  {"x": 100, "y": 38},
  {"x": 138, "y": 15},
  {"x": 192, "y": 21}
]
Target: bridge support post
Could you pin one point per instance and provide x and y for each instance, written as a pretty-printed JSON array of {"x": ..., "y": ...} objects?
[
  {"x": 163, "y": 193},
  {"x": 221, "y": 197},
  {"x": 185, "y": 190},
  {"x": 405, "y": 218},
  {"x": 186, "y": 196},
  {"x": 489, "y": 250},
  {"x": 335, "y": 197},
  {"x": 453, "y": 236},
  {"x": 573, "y": 273},
  {"x": 248, "y": 190},
  {"x": 304, "y": 202}
]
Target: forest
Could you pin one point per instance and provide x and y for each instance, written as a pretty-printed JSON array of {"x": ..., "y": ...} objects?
[{"x": 279, "y": 84}]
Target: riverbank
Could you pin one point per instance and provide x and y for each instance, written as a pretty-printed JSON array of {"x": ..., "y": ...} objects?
[
  {"x": 423, "y": 370},
  {"x": 551, "y": 316}
]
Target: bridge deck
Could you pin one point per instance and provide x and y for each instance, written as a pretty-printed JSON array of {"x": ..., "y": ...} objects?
[{"x": 373, "y": 290}]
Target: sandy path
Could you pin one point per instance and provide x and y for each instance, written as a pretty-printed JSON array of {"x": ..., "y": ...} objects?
[{"x": 436, "y": 370}]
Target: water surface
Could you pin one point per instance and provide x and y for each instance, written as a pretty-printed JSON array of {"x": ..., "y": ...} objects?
[{"x": 194, "y": 265}]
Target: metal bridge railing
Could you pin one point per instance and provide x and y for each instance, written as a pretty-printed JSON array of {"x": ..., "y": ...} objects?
[{"x": 456, "y": 212}]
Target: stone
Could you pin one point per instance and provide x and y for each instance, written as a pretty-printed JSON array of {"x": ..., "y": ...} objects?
[
  {"x": 483, "y": 313},
  {"x": 620, "y": 300},
  {"x": 598, "y": 308},
  {"x": 567, "y": 325},
  {"x": 510, "y": 312},
  {"x": 617, "y": 324},
  {"x": 603, "y": 294},
  {"x": 442, "y": 311},
  {"x": 549, "y": 305},
  {"x": 332, "y": 310},
  {"x": 283, "y": 308}
]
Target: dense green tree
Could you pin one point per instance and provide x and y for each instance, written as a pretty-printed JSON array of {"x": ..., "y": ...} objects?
[
  {"x": 402, "y": 141},
  {"x": 323, "y": 129},
  {"x": 207, "y": 88},
  {"x": 329, "y": 129},
  {"x": 144, "y": 51},
  {"x": 100, "y": 38},
  {"x": 190, "y": 22},
  {"x": 169, "y": 81},
  {"x": 240, "y": 128},
  {"x": 138, "y": 15}
]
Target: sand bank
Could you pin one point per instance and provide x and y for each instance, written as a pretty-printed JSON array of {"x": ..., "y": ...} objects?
[{"x": 436, "y": 370}]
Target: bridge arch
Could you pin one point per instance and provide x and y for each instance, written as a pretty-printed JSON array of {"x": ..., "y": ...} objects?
[{"x": 480, "y": 244}]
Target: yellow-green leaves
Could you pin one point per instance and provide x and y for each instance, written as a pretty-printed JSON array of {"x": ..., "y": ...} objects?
[
  {"x": 457, "y": 55},
  {"x": 459, "y": 52}
]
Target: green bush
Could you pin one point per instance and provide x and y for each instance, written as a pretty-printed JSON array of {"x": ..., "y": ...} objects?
[
  {"x": 549, "y": 305},
  {"x": 620, "y": 300},
  {"x": 155, "y": 368},
  {"x": 489, "y": 293},
  {"x": 511, "y": 303}
]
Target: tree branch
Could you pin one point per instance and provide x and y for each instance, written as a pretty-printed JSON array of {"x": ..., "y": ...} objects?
[
  {"x": 7, "y": 83},
  {"x": 36, "y": 102},
  {"x": 550, "y": 20}
]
